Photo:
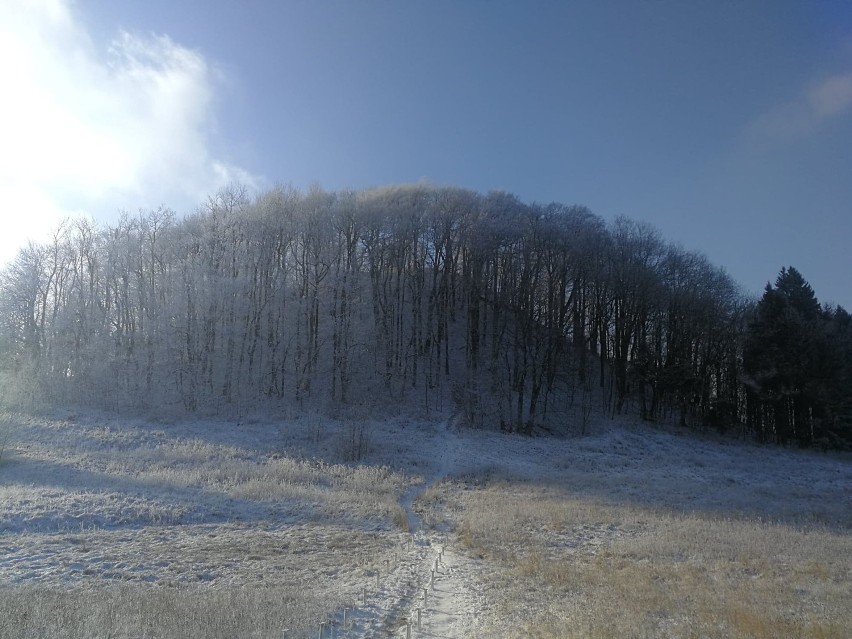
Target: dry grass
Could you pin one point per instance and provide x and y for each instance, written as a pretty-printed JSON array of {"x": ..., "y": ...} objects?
[
  {"x": 112, "y": 531},
  {"x": 158, "y": 612},
  {"x": 232, "y": 580},
  {"x": 189, "y": 465},
  {"x": 569, "y": 567},
  {"x": 137, "y": 532}
]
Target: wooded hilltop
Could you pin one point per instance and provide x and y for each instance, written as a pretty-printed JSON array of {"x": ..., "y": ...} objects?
[{"x": 507, "y": 314}]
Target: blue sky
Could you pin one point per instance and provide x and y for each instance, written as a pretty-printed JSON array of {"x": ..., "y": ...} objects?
[{"x": 728, "y": 125}]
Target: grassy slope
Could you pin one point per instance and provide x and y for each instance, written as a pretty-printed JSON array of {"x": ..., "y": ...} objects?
[{"x": 132, "y": 528}]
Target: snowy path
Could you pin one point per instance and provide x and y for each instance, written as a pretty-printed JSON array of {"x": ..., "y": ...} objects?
[
  {"x": 451, "y": 599},
  {"x": 448, "y": 603},
  {"x": 452, "y": 606},
  {"x": 448, "y": 455}
]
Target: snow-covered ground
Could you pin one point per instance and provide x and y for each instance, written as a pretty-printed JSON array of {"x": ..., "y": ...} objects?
[{"x": 94, "y": 501}]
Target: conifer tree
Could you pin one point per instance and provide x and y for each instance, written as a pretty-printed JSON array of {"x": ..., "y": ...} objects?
[{"x": 788, "y": 375}]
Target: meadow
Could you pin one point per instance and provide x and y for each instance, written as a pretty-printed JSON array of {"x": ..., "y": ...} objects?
[{"x": 114, "y": 527}]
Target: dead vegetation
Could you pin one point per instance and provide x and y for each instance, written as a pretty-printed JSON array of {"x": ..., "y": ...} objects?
[
  {"x": 567, "y": 567},
  {"x": 136, "y": 530}
]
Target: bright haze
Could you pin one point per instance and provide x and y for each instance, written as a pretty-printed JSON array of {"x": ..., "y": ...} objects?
[{"x": 728, "y": 125}]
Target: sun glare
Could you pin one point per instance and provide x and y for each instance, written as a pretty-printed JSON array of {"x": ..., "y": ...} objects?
[{"x": 97, "y": 127}]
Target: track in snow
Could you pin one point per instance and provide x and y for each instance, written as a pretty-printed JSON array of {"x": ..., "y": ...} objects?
[{"x": 452, "y": 599}]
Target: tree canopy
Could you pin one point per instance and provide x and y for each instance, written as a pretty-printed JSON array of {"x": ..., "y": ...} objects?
[{"x": 508, "y": 314}]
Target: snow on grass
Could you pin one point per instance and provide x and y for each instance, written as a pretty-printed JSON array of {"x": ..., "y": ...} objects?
[
  {"x": 622, "y": 532},
  {"x": 195, "y": 507},
  {"x": 645, "y": 534},
  {"x": 71, "y": 475},
  {"x": 126, "y": 611}
]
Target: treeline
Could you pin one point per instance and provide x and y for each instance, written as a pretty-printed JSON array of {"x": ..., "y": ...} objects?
[
  {"x": 520, "y": 315},
  {"x": 798, "y": 367}
]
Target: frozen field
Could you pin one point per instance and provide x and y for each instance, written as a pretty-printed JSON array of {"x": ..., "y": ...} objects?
[{"x": 132, "y": 528}]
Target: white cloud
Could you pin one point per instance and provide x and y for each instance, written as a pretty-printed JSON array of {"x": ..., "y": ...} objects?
[
  {"x": 83, "y": 128},
  {"x": 821, "y": 102},
  {"x": 831, "y": 97}
]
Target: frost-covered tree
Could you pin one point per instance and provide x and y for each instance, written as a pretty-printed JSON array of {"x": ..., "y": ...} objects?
[{"x": 414, "y": 294}]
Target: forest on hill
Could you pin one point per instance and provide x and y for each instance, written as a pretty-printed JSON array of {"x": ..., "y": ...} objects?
[{"x": 508, "y": 314}]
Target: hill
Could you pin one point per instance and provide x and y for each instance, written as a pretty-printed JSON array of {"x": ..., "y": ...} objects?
[{"x": 508, "y": 313}]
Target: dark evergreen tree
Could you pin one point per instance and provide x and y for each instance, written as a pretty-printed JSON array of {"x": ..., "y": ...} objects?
[
  {"x": 789, "y": 368},
  {"x": 836, "y": 431}
]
